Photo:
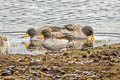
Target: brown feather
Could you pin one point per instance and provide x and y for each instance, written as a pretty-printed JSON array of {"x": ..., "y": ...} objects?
[
  {"x": 49, "y": 28},
  {"x": 72, "y": 27},
  {"x": 3, "y": 37},
  {"x": 60, "y": 35}
]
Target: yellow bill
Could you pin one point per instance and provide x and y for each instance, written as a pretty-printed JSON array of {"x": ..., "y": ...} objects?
[
  {"x": 92, "y": 38},
  {"x": 26, "y": 35},
  {"x": 42, "y": 36},
  {"x": 25, "y": 44}
]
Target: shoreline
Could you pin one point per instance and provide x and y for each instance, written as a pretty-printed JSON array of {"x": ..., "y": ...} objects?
[{"x": 87, "y": 64}]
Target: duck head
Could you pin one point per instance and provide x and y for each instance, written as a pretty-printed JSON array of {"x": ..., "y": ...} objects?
[
  {"x": 30, "y": 32},
  {"x": 45, "y": 34},
  {"x": 88, "y": 31}
]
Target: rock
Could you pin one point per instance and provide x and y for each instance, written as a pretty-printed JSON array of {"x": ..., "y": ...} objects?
[{"x": 84, "y": 56}]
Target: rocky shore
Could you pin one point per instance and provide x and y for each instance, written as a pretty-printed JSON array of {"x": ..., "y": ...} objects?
[{"x": 99, "y": 63}]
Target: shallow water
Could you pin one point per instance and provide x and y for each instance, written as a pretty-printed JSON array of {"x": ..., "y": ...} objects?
[{"x": 16, "y": 16}]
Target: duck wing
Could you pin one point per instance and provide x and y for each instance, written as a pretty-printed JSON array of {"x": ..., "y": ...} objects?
[
  {"x": 60, "y": 35},
  {"x": 72, "y": 27}
]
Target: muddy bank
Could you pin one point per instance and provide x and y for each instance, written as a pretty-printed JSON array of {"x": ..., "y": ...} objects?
[{"x": 100, "y": 63}]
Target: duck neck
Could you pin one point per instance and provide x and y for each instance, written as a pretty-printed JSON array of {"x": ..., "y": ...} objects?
[
  {"x": 48, "y": 35},
  {"x": 33, "y": 34}
]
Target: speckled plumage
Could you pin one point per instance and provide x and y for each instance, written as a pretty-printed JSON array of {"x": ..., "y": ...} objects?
[
  {"x": 53, "y": 43},
  {"x": 3, "y": 44},
  {"x": 78, "y": 31}
]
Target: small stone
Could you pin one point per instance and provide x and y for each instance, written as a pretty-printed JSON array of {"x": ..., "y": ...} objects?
[
  {"x": 84, "y": 56},
  {"x": 44, "y": 59},
  {"x": 45, "y": 69},
  {"x": 65, "y": 54},
  {"x": 96, "y": 60},
  {"x": 62, "y": 72},
  {"x": 57, "y": 76},
  {"x": 6, "y": 73},
  {"x": 91, "y": 56},
  {"x": 76, "y": 71},
  {"x": 106, "y": 58},
  {"x": 110, "y": 64},
  {"x": 113, "y": 54}
]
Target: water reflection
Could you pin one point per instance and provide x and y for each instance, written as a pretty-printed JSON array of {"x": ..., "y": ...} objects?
[
  {"x": 34, "y": 46},
  {"x": 80, "y": 44},
  {"x": 73, "y": 45}
]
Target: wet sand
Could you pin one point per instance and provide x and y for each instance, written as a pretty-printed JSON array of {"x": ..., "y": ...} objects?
[{"x": 100, "y": 63}]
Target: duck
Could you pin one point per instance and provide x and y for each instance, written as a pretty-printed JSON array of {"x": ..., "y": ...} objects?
[
  {"x": 78, "y": 31},
  {"x": 3, "y": 44},
  {"x": 53, "y": 43}
]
